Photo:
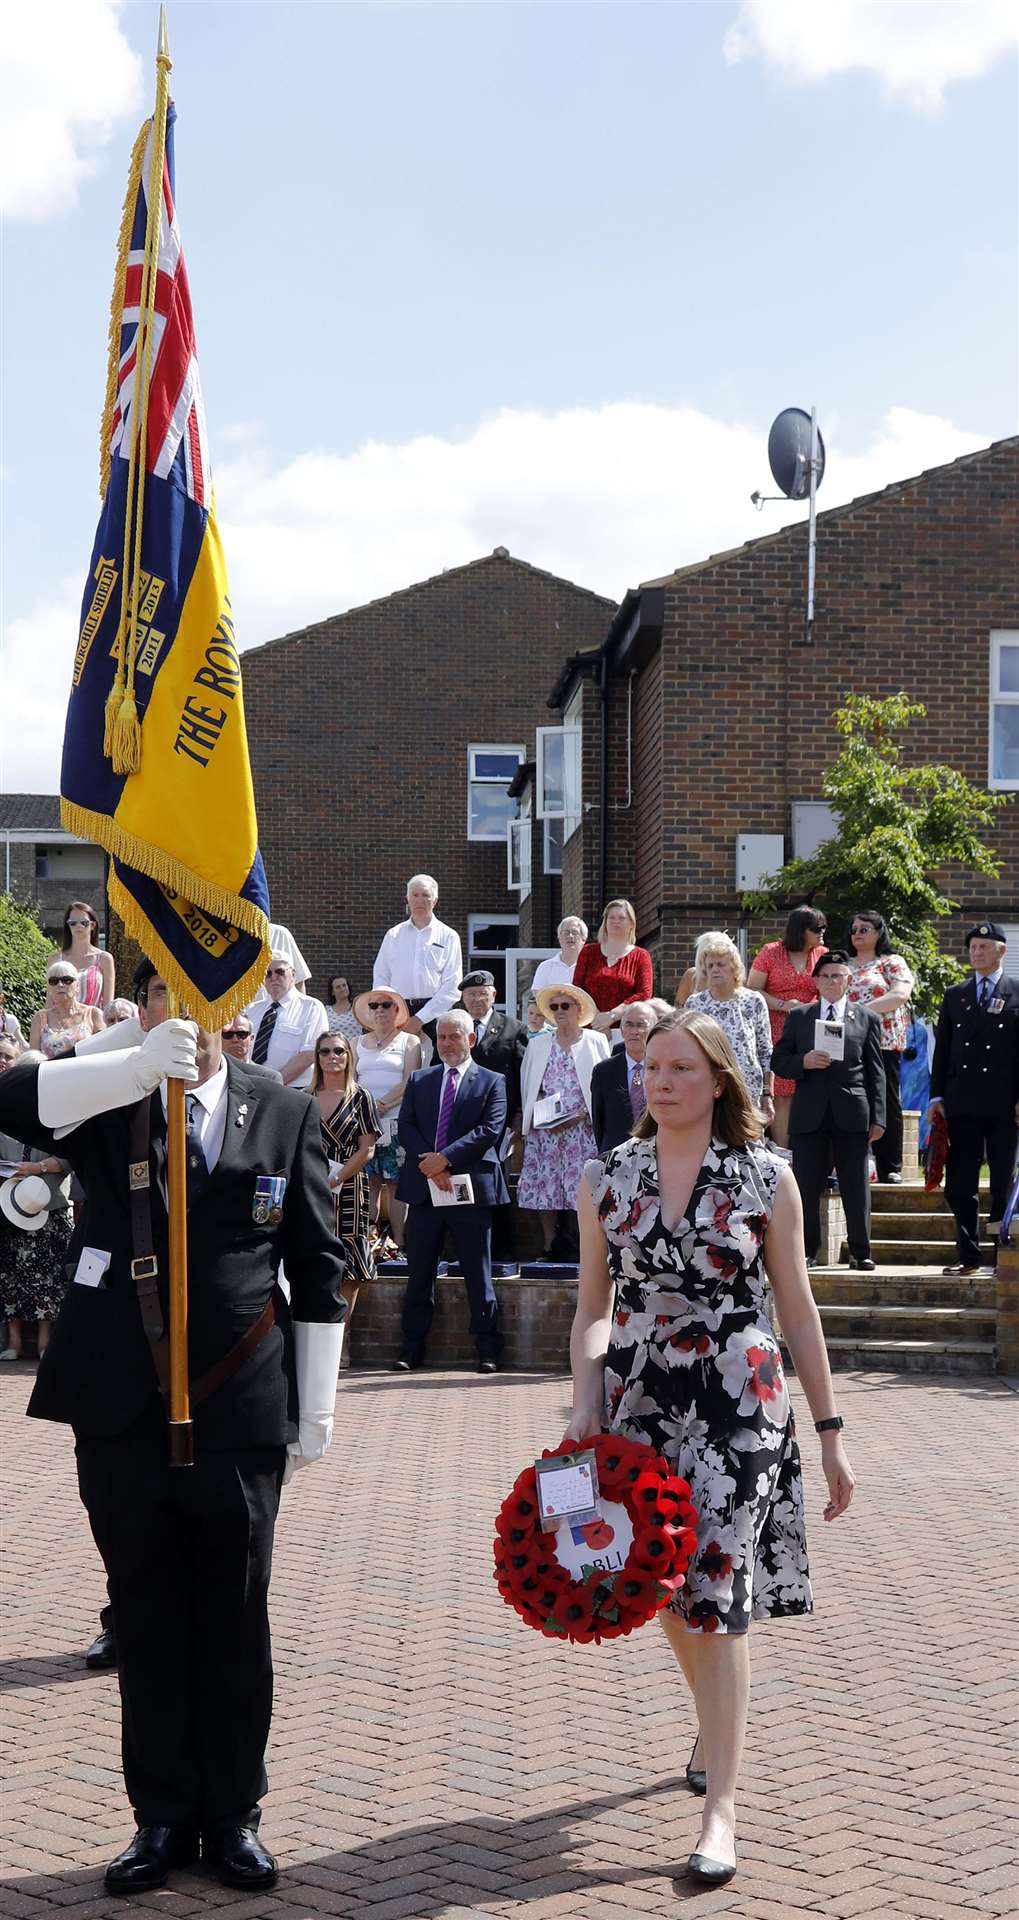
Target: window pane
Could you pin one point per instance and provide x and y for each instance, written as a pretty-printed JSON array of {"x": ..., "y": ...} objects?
[
  {"x": 554, "y": 846},
  {"x": 500, "y": 764},
  {"x": 1008, "y": 669},
  {"x": 552, "y": 798},
  {"x": 491, "y": 809},
  {"x": 493, "y": 937},
  {"x": 1005, "y": 743},
  {"x": 571, "y": 773}
]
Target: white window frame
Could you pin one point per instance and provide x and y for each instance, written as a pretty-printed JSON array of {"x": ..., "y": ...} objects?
[
  {"x": 570, "y": 738},
  {"x": 485, "y": 780},
  {"x": 481, "y": 954},
  {"x": 546, "y": 846},
  {"x": 1001, "y": 637},
  {"x": 518, "y": 856}
]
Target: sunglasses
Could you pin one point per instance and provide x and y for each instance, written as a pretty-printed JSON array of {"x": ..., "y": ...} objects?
[
  {"x": 564, "y": 1006},
  {"x": 380, "y": 1006},
  {"x": 337, "y": 1053},
  {"x": 236, "y": 1033},
  {"x": 80, "y": 923},
  {"x": 281, "y": 971},
  {"x": 62, "y": 979}
]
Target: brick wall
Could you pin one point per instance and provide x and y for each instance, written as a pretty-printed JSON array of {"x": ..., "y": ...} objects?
[
  {"x": 359, "y": 727},
  {"x": 536, "y": 1317}
]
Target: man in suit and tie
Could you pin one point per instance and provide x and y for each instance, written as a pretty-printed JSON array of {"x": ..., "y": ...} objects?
[
  {"x": 617, "y": 1085},
  {"x": 188, "y": 1551},
  {"x": 499, "y": 1045},
  {"x": 975, "y": 1079},
  {"x": 838, "y": 1107},
  {"x": 452, "y": 1119}
]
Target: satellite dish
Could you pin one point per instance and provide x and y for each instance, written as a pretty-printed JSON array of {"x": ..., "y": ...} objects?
[{"x": 789, "y": 453}]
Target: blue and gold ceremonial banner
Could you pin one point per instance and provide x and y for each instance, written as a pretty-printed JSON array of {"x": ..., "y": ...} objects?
[{"x": 155, "y": 765}]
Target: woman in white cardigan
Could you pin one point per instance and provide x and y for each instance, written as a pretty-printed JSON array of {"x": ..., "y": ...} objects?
[{"x": 557, "y": 1144}]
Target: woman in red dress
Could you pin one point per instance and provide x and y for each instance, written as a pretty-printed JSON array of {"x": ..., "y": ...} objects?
[
  {"x": 782, "y": 972},
  {"x": 612, "y": 968}
]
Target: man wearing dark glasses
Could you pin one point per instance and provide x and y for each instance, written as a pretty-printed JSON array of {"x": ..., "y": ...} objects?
[{"x": 238, "y": 1039}]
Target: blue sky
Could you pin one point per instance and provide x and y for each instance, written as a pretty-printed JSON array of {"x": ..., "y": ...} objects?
[{"x": 537, "y": 275}]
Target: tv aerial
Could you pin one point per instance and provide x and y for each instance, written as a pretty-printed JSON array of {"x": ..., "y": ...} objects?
[{"x": 796, "y": 458}]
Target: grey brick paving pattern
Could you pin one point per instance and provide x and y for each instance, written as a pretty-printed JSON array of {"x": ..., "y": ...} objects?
[{"x": 431, "y": 1756}]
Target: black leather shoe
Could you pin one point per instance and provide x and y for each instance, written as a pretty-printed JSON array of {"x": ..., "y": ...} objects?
[
  {"x": 408, "y": 1363},
  {"x": 102, "y": 1654},
  {"x": 239, "y": 1858},
  {"x": 147, "y": 1861},
  {"x": 696, "y": 1778},
  {"x": 488, "y": 1365},
  {"x": 708, "y": 1873},
  {"x": 861, "y": 1266}
]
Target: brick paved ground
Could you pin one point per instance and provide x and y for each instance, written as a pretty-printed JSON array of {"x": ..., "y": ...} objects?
[{"x": 433, "y": 1757}]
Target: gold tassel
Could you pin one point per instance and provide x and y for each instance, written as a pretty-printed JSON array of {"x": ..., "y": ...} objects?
[
  {"x": 113, "y": 700},
  {"x": 127, "y": 737}
]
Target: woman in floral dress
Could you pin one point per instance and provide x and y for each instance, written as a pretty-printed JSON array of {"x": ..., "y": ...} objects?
[
  {"x": 880, "y": 979},
  {"x": 681, "y": 1228},
  {"x": 559, "y": 1062}
]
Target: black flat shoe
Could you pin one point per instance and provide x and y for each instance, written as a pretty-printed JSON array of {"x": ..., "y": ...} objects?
[
  {"x": 147, "y": 1861},
  {"x": 861, "y": 1266},
  {"x": 708, "y": 1873},
  {"x": 696, "y": 1778},
  {"x": 239, "y": 1858},
  {"x": 488, "y": 1365},
  {"x": 102, "y": 1654}
]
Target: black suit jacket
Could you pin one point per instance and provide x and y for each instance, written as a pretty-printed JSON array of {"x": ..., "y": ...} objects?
[
  {"x": 478, "y": 1124},
  {"x": 98, "y": 1372},
  {"x": 976, "y": 1055},
  {"x": 501, "y": 1050},
  {"x": 611, "y": 1112},
  {"x": 850, "y": 1093}
]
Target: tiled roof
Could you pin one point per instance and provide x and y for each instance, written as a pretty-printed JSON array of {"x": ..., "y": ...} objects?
[{"x": 25, "y": 810}]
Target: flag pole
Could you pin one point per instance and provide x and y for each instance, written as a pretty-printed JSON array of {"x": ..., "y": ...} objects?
[{"x": 182, "y": 1452}]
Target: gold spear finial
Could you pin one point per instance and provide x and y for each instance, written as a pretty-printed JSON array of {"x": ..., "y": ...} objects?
[{"x": 163, "y": 48}]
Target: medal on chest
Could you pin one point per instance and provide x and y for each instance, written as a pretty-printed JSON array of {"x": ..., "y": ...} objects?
[{"x": 267, "y": 1205}]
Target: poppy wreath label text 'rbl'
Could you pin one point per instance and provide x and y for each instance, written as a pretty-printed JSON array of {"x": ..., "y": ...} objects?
[{"x": 605, "y": 1576}]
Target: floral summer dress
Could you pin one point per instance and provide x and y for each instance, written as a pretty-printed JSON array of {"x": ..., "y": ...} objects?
[
  {"x": 694, "y": 1369},
  {"x": 554, "y": 1162}
]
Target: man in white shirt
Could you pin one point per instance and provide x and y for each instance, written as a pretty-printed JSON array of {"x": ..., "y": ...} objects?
[
  {"x": 421, "y": 958},
  {"x": 287, "y": 1025}
]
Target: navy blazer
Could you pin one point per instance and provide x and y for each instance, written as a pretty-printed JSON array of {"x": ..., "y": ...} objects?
[
  {"x": 479, "y": 1120},
  {"x": 851, "y": 1092},
  {"x": 611, "y": 1112},
  {"x": 976, "y": 1055}
]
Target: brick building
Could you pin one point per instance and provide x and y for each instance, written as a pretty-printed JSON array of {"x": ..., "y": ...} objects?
[
  {"x": 382, "y": 742},
  {"x": 698, "y": 730},
  {"x": 46, "y": 867}
]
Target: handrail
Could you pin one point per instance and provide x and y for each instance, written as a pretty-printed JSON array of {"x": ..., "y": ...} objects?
[{"x": 1011, "y": 1207}]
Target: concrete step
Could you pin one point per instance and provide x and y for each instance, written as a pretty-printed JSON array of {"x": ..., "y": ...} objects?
[
  {"x": 913, "y": 1226},
  {"x": 912, "y": 1356},
  {"x": 912, "y": 1253},
  {"x": 912, "y": 1199},
  {"x": 903, "y": 1287},
  {"x": 898, "y": 1325}
]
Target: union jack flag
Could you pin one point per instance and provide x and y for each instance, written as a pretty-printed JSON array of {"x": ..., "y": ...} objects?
[{"x": 175, "y": 434}]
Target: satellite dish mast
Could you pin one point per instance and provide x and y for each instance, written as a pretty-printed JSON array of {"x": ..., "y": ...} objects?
[{"x": 796, "y": 458}]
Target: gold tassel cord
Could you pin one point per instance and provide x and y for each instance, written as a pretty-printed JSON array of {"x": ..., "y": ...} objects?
[{"x": 115, "y": 697}]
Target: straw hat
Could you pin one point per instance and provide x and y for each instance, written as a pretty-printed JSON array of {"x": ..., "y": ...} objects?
[
  {"x": 25, "y": 1199},
  {"x": 583, "y": 999},
  {"x": 362, "y": 1014}
]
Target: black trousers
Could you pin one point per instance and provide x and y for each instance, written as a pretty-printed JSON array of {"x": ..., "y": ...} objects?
[
  {"x": 973, "y": 1138},
  {"x": 471, "y": 1230},
  {"x": 888, "y": 1150},
  {"x": 188, "y": 1552},
  {"x": 812, "y": 1156}
]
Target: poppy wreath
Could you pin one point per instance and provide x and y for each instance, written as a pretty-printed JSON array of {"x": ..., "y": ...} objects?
[{"x": 601, "y": 1606}]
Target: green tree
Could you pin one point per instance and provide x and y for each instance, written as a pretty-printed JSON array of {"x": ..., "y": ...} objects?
[
  {"x": 24, "y": 951},
  {"x": 897, "y": 829}
]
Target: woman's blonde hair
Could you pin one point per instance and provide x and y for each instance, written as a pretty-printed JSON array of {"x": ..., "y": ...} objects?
[
  {"x": 736, "y": 1120},
  {"x": 627, "y": 906},
  {"x": 716, "y": 943},
  {"x": 350, "y": 1077}
]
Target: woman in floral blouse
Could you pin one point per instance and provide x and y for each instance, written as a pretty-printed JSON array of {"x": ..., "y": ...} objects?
[
  {"x": 880, "y": 979},
  {"x": 681, "y": 1228}
]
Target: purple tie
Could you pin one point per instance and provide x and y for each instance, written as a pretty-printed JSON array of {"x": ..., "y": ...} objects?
[
  {"x": 637, "y": 1100},
  {"x": 446, "y": 1111}
]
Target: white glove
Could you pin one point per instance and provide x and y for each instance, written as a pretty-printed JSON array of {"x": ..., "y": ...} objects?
[
  {"x": 123, "y": 1033},
  {"x": 74, "y": 1090},
  {"x": 317, "y": 1352}
]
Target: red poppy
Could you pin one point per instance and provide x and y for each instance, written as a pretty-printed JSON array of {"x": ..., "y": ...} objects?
[
  {"x": 575, "y": 1610},
  {"x": 598, "y": 1533},
  {"x": 765, "y": 1372},
  {"x": 714, "y": 1563},
  {"x": 523, "y": 1508},
  {"x": 653, "y": 1548},
  {"x": 513, "y": 1533},
  {"x": 637, "y": 1591},
  {"x": 645, "y": 1492}
]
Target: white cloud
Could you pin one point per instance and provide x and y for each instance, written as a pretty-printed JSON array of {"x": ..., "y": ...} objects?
[
  {"x": 67, "y": 76},
  {"x": 916, "y": 47},
  {"x": 605, "y": 496}
]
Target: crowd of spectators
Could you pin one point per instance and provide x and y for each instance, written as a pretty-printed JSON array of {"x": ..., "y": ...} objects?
[{"x": 571, "y": 1075}]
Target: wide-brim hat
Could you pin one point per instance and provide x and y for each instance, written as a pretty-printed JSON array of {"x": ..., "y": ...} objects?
[
  {"x": 362, "y": 1014},
  {"x": 25, "y": 1200},
  {"x": 583, "y": 999}
]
